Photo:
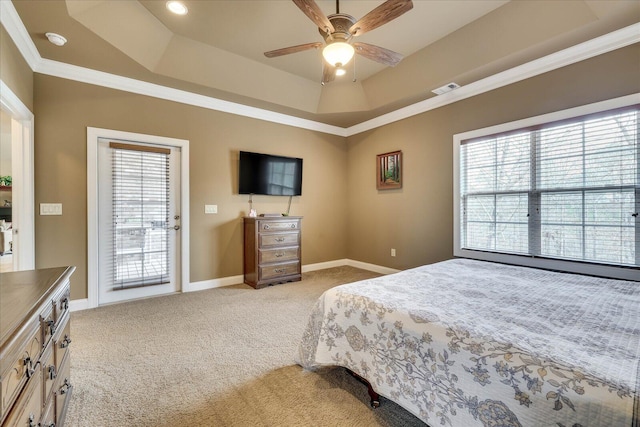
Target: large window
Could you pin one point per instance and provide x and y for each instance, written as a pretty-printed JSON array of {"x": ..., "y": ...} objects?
[{"x": 562, "y": 193}]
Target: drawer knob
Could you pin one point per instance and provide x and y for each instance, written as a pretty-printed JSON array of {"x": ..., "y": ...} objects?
[
  {"x": 293, "y": 226},
  {"x": 280, "y": 270},
  {"x": 52, "y": 372},
  {"x": 51, "y": 325},
  {"x": 280, "y": 239},
  {"x": 266, "y": 226},
  {"x": 28, "y": 365},
  {"x": 64, "y": 388},
  {"x": 279, "y": 255},
  {"x": 65, "y": 342},
  {"x": 64, "y": 304},
  {"x": 31, "y": 420}
]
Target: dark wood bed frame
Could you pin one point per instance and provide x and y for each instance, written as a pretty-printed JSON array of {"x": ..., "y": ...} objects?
[{"x": 375, "y": 397}]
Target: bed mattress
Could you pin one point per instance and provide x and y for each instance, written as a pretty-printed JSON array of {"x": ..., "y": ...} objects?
[{"x": 473, "y": 343}]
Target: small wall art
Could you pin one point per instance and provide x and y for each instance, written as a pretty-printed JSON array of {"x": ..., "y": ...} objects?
[{"x": 389, "y": 170}]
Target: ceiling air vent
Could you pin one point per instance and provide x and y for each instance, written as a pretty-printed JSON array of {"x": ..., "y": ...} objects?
[{"x": 446, "y": 88}]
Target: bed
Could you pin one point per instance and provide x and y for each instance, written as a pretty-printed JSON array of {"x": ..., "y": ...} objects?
[{"x": 473, "y": 343}]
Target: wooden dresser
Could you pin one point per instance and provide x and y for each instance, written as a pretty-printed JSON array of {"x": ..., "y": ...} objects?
[
  {"x": 35, "y": 335},
  {"x": 272, "y": 250}
]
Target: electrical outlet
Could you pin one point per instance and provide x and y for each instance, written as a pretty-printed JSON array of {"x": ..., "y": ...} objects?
[
  {"x": 393, "y": 252},
  {"x": 211, "y": 209}
]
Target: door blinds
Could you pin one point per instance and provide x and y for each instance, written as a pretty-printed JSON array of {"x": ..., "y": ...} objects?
[
  {"x": 568, "y": 190},
  {"x": 140, "y": 215}
]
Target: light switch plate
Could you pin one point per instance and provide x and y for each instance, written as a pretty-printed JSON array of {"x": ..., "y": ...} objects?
[
  {"x": 50, "y": 208},
  {"x": 211, "y": 209}
]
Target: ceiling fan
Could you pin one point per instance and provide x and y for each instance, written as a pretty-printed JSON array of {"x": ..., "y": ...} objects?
[{"x": 338, "y": 30}]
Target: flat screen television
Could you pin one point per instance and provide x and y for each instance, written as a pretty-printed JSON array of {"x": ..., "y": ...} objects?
[{"x": 270, "y": 175}]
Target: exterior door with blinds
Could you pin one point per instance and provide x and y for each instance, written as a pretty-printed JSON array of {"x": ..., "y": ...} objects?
[{"x": 139, "y": 220}]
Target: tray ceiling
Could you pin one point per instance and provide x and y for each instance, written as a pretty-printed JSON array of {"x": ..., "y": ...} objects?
[{"x": 217, "y": 48}]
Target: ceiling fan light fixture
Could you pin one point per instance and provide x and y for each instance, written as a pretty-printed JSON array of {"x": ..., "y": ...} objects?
[
  {"x": 340, "y": 71},
  {"x": 338, "y": 53},
  {"x": 177, "y": 7}
]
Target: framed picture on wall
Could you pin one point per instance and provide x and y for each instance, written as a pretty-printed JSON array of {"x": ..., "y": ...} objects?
[{"x": 389, "y": 170}]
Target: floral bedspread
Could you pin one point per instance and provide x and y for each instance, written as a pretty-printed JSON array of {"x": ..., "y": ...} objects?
[{"x": 473, "y": 343}]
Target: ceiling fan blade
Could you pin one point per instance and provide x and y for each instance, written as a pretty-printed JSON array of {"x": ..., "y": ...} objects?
[
  {"x": 292, "y": 49},
  {"x": 313, "y": 11},
  {"x": 382, "y": 14},
  {"x": 328, "y": 73},
  {"x": 378, "y": 54}
]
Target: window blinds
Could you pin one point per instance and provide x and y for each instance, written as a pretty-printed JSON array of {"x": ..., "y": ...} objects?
[
  {"x": 140, "y": 215},
  {"x": 568, "y": 190}
]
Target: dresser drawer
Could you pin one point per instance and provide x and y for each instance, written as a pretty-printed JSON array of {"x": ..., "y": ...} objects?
[
  {"x": 49, "y": 415},
  {"x": 49, "y": 370},
  {"x": 62, "y": 340},
  {"x": 61, "y": 304},
  {"x": 282, "y": 239},
  {"x": 275, "y": 226},
  {"x": 28, "y": 408},
  {"x": 18, "y": 363},
  {"x": 63, "y": 389},
  {"x": 279, "y": 270},
  {"x": 278, "y": 255},
  {"x": 48, "y": 325}
]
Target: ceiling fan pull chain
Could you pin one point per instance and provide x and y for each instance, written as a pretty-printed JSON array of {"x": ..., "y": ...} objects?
[{"x": 354, "y": 68}]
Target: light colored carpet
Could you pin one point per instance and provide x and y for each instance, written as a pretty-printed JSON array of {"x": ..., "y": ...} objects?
[{"x": 221, "y": 357}]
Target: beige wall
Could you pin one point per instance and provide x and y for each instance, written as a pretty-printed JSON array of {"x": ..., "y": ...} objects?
[
  {"x": 417, "y": 220},
  {"x": 345, "y": 216},
  {"x": 14, "y": 70},
  {"x": 64, "y": 109}
]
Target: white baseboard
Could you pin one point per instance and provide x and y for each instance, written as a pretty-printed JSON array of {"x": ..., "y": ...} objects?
[
  {"x": 322, "y": 265},
  {"x": 234, "y": 280},
  {"x": 213, "y": 283},
  {"x": 371, "y": 267},
  {"x": 83, "y": 304},
  {"x": 79, "y": 304}
]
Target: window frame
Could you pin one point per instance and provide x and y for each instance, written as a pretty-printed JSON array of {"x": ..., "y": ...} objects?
[{"x": 620, "y": 272}]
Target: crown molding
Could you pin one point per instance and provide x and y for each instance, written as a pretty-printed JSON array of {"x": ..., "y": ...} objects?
[
  {"x": 112, "y": 81},
  {"x": 580, "y": 52},
  {"x": 18, "y": 33},
  {"x": 11, "y": 21}
]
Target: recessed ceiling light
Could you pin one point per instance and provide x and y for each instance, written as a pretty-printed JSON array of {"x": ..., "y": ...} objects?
[
  {"x": 177, "y": 7},
  {"x": 56, "y": 39}
]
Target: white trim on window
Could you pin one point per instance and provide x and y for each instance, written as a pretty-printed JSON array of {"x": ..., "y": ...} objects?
[{"x": 563, "y": 265}]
